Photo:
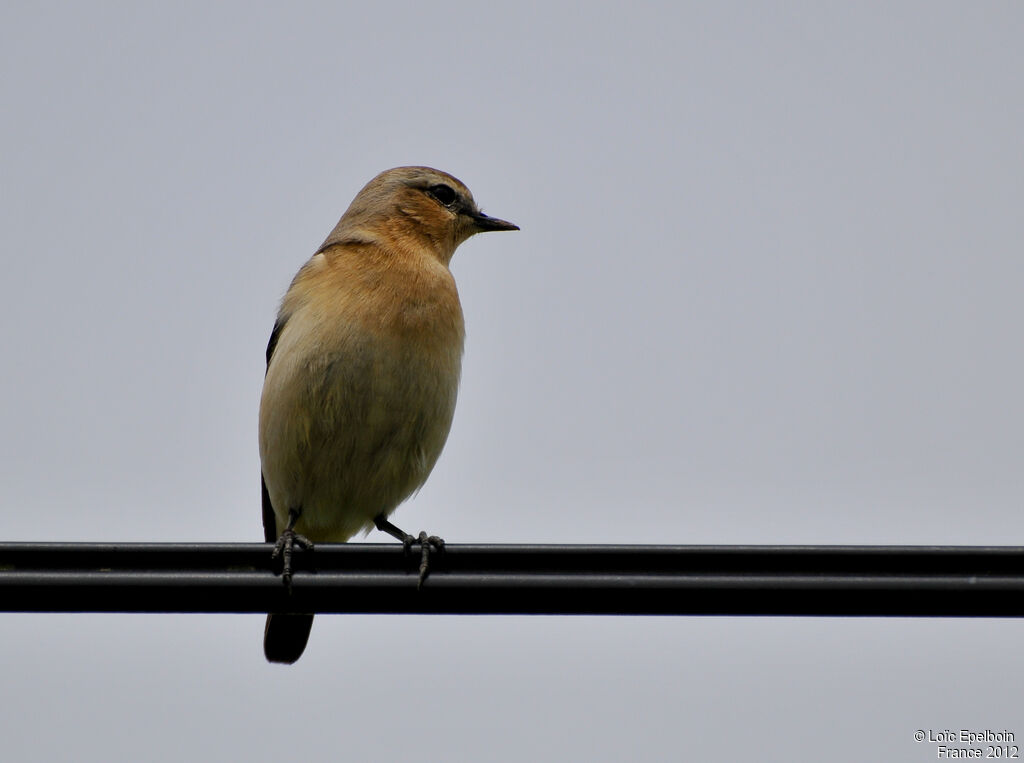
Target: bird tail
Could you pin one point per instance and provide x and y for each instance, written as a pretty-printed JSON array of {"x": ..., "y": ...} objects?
[{"x": 285, "y": 637}]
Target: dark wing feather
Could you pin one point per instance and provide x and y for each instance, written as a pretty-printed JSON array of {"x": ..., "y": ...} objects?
[
  {"x": 274, "y": 336},
  {"x": 269, "y": 520}
]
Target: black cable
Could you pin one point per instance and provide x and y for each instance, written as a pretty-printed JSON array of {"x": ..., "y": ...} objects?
[{"x": 951, "y": 581}]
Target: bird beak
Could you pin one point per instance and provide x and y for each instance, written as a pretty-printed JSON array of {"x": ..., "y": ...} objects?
[{"x": 484, "y": 223}]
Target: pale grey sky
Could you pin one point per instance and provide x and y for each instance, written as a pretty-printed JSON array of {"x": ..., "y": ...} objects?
[{"x": 768, "y": 289}]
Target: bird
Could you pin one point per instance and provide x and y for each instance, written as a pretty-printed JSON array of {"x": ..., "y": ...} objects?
[{"x": 363, "y": 368}]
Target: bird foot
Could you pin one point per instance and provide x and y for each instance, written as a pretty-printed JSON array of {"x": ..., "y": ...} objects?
[
  {"x": 426, "y": 542},
  {"x": 284, "y": 548}
]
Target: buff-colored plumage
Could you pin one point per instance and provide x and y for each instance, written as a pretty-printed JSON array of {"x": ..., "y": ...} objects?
[{"x": 363, "y": 366}]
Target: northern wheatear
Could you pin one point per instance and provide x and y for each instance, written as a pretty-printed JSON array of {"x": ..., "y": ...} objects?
[{"x": 363, "y": 369}]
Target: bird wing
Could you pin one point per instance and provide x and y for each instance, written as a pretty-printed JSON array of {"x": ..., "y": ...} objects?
[{"x": 269, "y": 519}]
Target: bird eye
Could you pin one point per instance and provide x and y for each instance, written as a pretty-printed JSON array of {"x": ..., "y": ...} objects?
[{"x": 443, "y": 193}]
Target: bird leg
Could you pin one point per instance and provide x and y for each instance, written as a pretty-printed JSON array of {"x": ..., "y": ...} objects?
[
  {"x": 286, "y": 544},
  {"x": 425, "y": 541}
]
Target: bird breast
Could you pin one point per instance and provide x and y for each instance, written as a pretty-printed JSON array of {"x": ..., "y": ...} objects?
[{"x": 359, "y": 397}]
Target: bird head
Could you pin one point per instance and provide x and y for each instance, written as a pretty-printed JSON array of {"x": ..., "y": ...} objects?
[{"x": 414, "y": 204}]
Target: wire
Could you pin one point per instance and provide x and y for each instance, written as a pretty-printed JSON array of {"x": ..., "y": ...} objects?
[{"x": 950, "y": 581}]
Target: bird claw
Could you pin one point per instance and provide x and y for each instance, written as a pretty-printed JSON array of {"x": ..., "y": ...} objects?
[
  {"x": 284, "y": 548},
  {"x": 426, "y": 542}
]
